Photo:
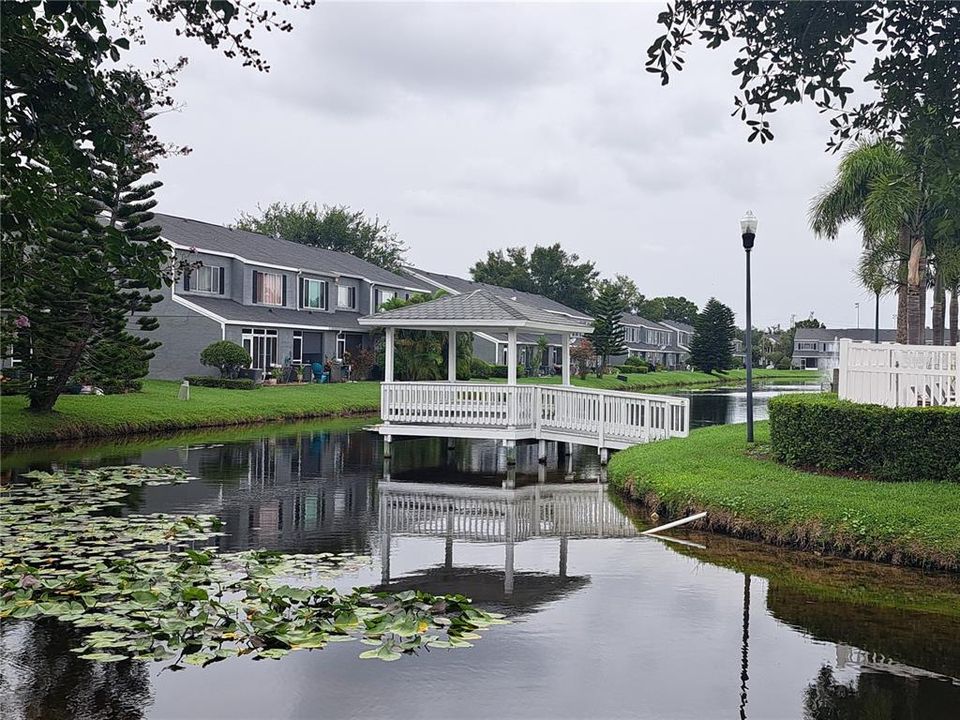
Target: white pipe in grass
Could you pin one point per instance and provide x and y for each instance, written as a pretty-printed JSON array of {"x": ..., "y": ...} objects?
[{"x": 675, "y": 523}]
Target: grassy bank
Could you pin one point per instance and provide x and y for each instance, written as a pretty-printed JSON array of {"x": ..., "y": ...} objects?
[
  {"x": 746, "y": 494},
  {"x": 636, "y": 382},
  {"x": 157, "y": 409}
]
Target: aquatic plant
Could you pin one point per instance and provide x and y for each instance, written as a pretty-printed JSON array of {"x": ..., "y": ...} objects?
[{"x": 144, "y": 587}]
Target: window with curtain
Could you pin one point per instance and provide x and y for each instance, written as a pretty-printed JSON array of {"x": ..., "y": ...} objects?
[
  {"x": 267, "y": 288},
  {"x": 346, "y": 297}
]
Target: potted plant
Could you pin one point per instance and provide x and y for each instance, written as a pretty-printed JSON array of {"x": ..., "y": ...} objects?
[
  {"x": 298, "y": 371},
  {"x": 276, "y": 372}
]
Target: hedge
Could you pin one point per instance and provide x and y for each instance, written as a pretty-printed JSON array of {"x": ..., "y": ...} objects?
[
  {"x": 895, "y": 444},
  {"x": 225, "y": 383}
]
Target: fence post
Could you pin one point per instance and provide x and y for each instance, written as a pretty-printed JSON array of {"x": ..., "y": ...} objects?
[
  {"x": 956, "y": 380},
  {"x": 843, "y": 380}
]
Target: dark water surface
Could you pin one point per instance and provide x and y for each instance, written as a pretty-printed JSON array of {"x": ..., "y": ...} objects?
[{"x": 606, "y": 624}]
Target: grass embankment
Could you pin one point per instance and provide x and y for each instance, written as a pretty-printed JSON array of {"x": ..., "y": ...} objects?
[
  {"x": 746, "y": 494},
  {"x": 637, "y": 382},
  {"x": 157, "y": 409}
]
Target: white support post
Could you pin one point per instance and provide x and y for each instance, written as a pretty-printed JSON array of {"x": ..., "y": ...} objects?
[
  {"x": 842, "y": 379},
  {"x": 388, "y": 357},
  {"x": 452, "y": 356},
  {"x": 565, "y": 372},
  {"x": 512, "y": 356}
]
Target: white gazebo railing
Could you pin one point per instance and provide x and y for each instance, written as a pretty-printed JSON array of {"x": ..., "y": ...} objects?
[
  {"x": 899, "y": 375},
  {"x": 606, "y": 419}
]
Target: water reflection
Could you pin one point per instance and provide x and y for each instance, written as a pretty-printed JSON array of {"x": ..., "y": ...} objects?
[
  {"x": 603, "y": 616},
  {"x": 728, "y": 405}
]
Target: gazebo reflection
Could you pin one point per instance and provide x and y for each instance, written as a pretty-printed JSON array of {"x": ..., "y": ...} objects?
[{"x": 504, "y": 515}]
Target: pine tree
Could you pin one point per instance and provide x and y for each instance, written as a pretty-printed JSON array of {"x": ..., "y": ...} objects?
[
  {"x": 608, "y": 336},
  {"x": 100, "y": 261},
  {"x": 714, "y": 331}
]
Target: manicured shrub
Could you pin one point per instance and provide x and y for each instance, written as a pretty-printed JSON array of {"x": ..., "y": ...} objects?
[
  {"x": 225, "y": 383},
  {"x": 895, "y": 444},
  {"x": 479, "y": 368},
  {"x": 226, "y": 356},
  {"x": 635, "y": 360},
  {"x": 498, "y": 371}
]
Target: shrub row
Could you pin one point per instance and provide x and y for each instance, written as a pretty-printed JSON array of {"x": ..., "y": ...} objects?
[
  {"x": 896, "y": 444},
  {"x": 225, "y": 383}
]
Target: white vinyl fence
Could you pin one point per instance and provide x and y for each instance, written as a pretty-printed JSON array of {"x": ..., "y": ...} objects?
[{"x": 899, "y": 375}]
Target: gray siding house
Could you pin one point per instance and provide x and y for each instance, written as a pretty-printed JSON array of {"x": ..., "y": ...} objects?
[
  {"x": 282, "y": 301},
  {"x": 665, "y": 344},
  {"x": 492, "y": 347}
]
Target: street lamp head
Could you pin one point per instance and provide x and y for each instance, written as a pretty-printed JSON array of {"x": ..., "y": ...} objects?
[{"x": 748, "y": 229}]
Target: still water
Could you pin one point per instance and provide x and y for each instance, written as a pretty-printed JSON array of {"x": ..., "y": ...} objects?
[{"x": 606, "y": 624}]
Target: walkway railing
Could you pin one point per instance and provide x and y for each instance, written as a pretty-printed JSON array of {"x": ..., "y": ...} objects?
[
  {"x": 597, "y": 417},
  {"x": 899, "y": 375}
]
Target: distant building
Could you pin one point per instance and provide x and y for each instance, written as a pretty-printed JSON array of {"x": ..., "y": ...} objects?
[
  {"x": 819, "y": 348},
  {"x": 666, "y": 344}
]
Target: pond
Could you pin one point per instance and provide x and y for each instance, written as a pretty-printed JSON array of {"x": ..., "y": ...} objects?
[{"x": 605, "y": 623}]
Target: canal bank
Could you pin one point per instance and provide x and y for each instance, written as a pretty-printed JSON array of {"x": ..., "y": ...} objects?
[
  {"x": 157, "y": 408},
  {"x": 747, "y": 494},
  {"x": 768, "y": 632}
]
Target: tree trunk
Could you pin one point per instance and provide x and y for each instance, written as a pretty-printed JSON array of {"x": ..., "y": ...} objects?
[
  {"x": 954, "y": 314},
  {"x": 43, "y": 398},
  {"x": 916, "y": 292},
  {"x": 902, "y": 335},
  {"x": 939, "y": 309}
]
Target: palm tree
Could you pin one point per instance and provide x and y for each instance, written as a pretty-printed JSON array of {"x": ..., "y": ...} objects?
[{"x": 879, "y": 188}]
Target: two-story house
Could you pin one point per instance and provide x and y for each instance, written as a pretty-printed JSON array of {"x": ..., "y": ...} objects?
[
  {"x": 282, "y": 301},
  {"x": 819, "y": 348},
  {"x": 657, "y": 343},
  {"x": 492, "y": 347}
]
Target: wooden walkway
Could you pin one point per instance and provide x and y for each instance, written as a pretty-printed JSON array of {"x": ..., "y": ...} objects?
[{"x": 605, "y": 419}]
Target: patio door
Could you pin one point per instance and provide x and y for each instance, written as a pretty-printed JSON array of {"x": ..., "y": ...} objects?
[{"x": 262, "y": 346}]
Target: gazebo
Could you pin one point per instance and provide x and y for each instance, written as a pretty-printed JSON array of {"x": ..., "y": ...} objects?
[{"x": 511, "y": 412}]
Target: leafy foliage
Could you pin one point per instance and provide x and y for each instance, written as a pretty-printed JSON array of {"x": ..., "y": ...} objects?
[
  {"x": 118, "y": 365},
  {"x": 903, "y": 444},
  {"x": 795, "y": 51},
  {"x": 549, "y": 271},
  {"x": 669, "y": 307},
  {"x": 607, "y": 337},
  {"x": 422, "y": 354},
  {"x": 628, "y": 291},
  {"x": 361, "y": 361},
  {"x": 78, "y": 252},
  {"x": 582, "y": 356},
  {"x": 333, "y": 227},
  {"x": 142, "y": 590},
  {"x": 227, "y": 383},
  {"x": 714, "y": 332},
  {"x": 226, "y": 356}
]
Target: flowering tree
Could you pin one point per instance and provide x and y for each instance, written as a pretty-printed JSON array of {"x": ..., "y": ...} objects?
[{"x": 582, "y": 356}]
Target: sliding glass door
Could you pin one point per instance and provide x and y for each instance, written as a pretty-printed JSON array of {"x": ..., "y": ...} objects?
[{"x": 262, "y": 346}]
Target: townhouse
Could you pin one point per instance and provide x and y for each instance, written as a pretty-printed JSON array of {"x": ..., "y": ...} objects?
[
  {"x": 665, "y": 344},
  {"x": 282, "y": 301}
]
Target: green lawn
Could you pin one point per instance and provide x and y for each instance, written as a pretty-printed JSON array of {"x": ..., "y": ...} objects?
[
  {"x": 158, "y": 409},
  {"x": 676, "y": 378},
  {"x": 748, "y": 495}
]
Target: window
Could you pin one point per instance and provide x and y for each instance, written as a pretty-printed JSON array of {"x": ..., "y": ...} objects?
[
  {"x": 269, "y": 288},
  {"x": 808, "y": 345},
  {"x": 313, "y": 294},
  {"x": 346, "y": 297},
  {"x": 558, "y": 356},
  {"x": 341, "y": 345},
  {"x": 206, "y": 278},
  {"x": 262, "y": 346},
  {"x": 382, "y": 296},
  {"x": 297, "y": 354}
]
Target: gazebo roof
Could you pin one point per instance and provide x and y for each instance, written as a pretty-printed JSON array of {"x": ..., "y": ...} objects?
[{"x": 476, "y": 310}]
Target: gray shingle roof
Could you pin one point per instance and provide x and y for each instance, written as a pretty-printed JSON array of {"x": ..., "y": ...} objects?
[
  {"x": 631, "y": 319},
  {"x": 482, "y": 307},
  {"x": 682, "y": 327},
  {"x": 260, "y": 248},
  {"x": 463, "y": 286},
  {"x": 827, "y": 334},
  {"x": 235, "y": 312}
]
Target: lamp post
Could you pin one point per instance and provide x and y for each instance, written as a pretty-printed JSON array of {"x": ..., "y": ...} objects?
[
  {"x": 748, "y": 232},
  {"x": 857, "y": 306}
]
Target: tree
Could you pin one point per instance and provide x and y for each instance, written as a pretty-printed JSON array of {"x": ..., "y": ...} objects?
[
  {"x": 549, "y": 271},
  {"x": 627, "y": 290},
  {"x": 228, "y": 357},
  {"x": 582, "y": 355},
  {"x": 678, "y": 309},
  {"x": 335, "y": 227},
  {"x": 714, "y": 333},
  {"x": 796, "y": 51},
  {"x": 879, "y": 187},
  {"x": 607, "y": 337},
  {"x": 78, "y": 255}
]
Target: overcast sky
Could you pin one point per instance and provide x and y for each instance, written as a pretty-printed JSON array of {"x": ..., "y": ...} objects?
[{"x": 476, "y": 127}]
